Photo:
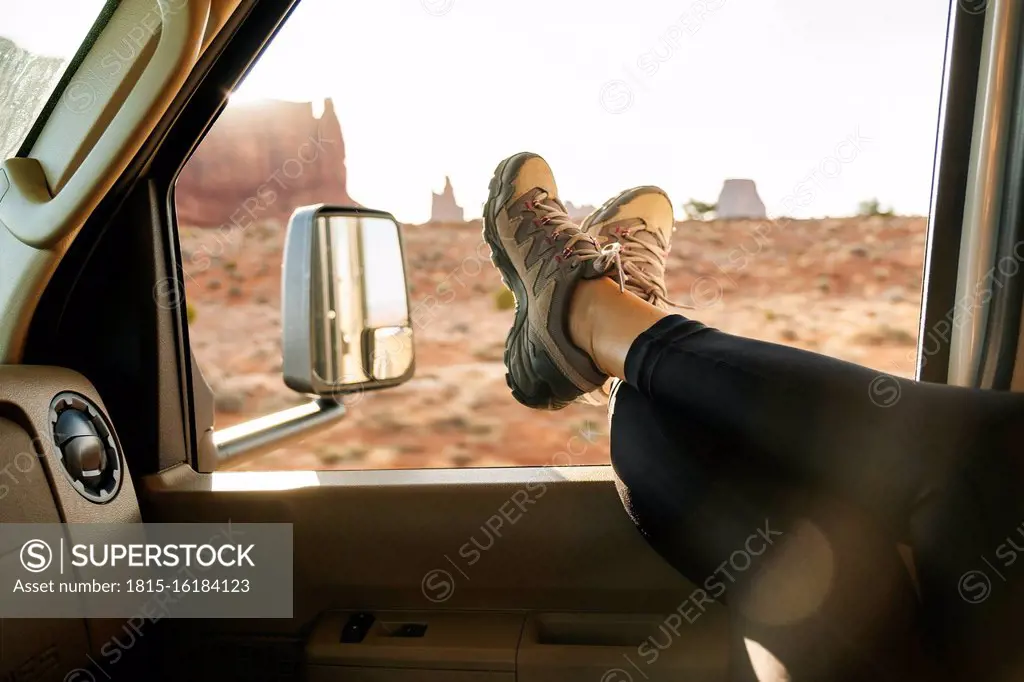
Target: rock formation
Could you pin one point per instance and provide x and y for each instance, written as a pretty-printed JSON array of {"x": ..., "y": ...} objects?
[
  {"x": 739, "y": 199},
  {"x": 578, "y": 213},
  {"x": 443, "y": 207},
  {"x": 261, "y": 161}
]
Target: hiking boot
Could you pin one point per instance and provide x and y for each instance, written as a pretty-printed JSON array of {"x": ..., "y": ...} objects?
[
  {"x": 541, "y": 255},
  {"x": 641, "y": 221}
]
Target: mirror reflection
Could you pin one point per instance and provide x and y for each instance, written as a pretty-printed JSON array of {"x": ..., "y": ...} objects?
[{"x": 361, "y": 328}]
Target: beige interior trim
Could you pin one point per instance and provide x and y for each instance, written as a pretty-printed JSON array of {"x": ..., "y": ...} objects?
[
  {"x": 220, "y": 12},
  {"x": 115, "y": 100},
  {"x": 140, "y": 58}
]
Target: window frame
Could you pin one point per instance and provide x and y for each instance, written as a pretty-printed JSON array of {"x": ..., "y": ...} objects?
[
  {"x": 964, "y": 38},
  {"x": 227, "y": 62}
]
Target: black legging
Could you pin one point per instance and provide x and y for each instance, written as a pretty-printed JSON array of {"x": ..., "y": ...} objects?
[{"x": 721, "y": 442}]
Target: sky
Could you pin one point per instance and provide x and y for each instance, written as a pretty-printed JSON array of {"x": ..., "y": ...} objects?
[
  {"x": 55, "y": 28},
  {"x": 823, "y": 104}
]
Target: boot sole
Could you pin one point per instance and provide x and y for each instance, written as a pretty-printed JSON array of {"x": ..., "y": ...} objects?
[{"x": 542, "y": 384}]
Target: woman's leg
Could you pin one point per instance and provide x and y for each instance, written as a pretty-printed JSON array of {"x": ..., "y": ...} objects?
[
  {"x": 937, "y": 465},
  {"x": 939, "y": 460},
  {"x": 883, "y": 441},
  {"x": 811, "y": 583}
]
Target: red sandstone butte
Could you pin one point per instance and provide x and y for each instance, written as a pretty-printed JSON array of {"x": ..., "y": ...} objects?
[
  {"x": 262, "y": 160},
  {"x": 444, "y": 208}
]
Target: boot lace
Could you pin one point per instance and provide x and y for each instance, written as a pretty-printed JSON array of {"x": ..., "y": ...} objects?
[
  {"x": 641, "y": 264},
  {"x": 603, "y": 257}
]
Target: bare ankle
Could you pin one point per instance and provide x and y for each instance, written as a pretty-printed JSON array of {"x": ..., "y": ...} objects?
[
  {"x": 604, "y": 323},
  {"x": 580, "y": 330},
  {"x": 581, "y": 315}
]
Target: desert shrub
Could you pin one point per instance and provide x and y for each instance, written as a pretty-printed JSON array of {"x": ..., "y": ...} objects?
[
  {"x": 699, "y": 210},
  {"x": 872, "y": 207},
  {"x": 504, "y": 299},
  {"x": 191, "y": 313}
]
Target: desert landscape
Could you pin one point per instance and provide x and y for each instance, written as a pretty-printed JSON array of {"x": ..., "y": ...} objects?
[{"x": 846, "y": 287}]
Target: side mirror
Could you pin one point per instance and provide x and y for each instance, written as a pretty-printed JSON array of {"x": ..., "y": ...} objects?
[{"x": 344, "y": 302}]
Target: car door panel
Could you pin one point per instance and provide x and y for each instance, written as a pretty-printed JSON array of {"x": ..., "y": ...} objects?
[{"x": 544, "y": 544}]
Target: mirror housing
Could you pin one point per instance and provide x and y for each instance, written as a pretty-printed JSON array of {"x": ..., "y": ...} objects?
[{"x": 344, "y": 302}]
